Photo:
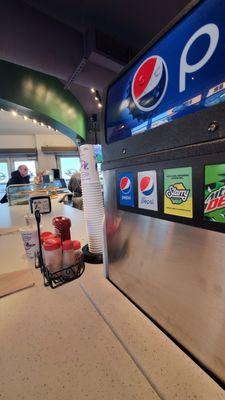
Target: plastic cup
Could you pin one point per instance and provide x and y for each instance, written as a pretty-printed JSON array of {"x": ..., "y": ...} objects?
[
  {"x": 96, "y": 250},
  {"x": 90, "y": 197},
  {"x": 91, "y": 189},
  {"x": 99, "y": 213},
  {"x": 95, "y": 225},
  {"x": 95, "y": 238},
  {"x": 92, "y": 193},
  {"x": 30, "y": 241},
  {"x": 88, "y": 210},
  {"x": 94, "y": 219}
]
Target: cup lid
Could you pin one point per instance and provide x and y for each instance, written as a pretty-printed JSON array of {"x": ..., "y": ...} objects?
[
  {"x": 76, "y": 244},
  {"x": 52, "y": 243},
  {"x": 46, "y": 235},
  {"x": 67, "y": 245}
]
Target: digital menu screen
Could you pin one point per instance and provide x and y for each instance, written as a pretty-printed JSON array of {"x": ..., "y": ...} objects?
[{"x": 181, "y": 74}]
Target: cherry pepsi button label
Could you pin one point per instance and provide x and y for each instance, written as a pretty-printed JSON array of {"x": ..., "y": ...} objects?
[
  {"x": 147, "y": 190},
  {"x": 126, "y": 189}
]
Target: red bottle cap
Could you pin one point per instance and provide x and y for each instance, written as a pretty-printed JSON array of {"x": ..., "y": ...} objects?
[
  {"x": 76, "y": 244},
  {"x": 67, "y": 245},
  {"x": 61, "y": 222},
  {"x": 46, "y": 235},
  {"x": 52, "y": 243}
]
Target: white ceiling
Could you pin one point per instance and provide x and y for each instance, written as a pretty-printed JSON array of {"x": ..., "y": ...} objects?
[{"x": 17, "y": 125}]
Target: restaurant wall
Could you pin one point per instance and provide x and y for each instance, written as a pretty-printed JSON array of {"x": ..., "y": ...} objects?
[
  {"x": 17, "y": 141},
  {"x": 45, "y": 161}
]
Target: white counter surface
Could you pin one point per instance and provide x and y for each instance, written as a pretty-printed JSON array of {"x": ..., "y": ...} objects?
[
  {"x": 85, "y": 340},
  {"x": 11, "y": 246}
]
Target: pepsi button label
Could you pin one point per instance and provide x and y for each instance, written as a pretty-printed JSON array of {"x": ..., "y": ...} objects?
[
  {"x": 126, "y": 189},
  {"x": 147, "y": 190}
]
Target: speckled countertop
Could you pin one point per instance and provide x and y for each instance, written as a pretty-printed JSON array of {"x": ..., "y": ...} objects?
[
  {"x": 85, "y": 340},
  {"x": 53, "y": 347}
]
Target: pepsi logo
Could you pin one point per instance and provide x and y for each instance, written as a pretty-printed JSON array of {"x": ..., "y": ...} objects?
[
  {"x": 150, "y": 83},
  {"x": 125, "y": 185},
  {"x": 147, "y": 185}
]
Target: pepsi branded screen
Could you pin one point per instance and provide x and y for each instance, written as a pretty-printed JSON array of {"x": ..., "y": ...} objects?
[{"x": 181, "y": 74}]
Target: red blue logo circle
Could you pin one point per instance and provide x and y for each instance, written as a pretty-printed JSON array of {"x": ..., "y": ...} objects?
[
  {"x": 150, "y": 83},
  {"x": 147, "y": 185},
  {"x": 125, "y": 185}
]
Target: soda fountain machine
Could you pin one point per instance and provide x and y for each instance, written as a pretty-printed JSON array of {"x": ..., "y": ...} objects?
[{"x": 164, "y": 182}]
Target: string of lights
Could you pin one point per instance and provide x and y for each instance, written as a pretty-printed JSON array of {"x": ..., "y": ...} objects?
[
  {"x": 15, "y": 114},
  {"x": 97, "y": 96}
]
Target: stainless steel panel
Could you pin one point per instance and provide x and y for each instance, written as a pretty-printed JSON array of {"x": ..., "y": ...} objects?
[{"x": 175, "y": 273}]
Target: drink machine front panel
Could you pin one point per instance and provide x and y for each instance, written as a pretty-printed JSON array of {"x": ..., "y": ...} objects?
[
  {"x": 172, "y": 270},
  {"x": 164, "y": 182}
]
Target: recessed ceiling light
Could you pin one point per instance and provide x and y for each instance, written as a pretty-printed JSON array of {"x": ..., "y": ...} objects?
[
  {"x": 34, "y": 121},
  {"x": 49, "y": 127},
  {"x": 14, "y": 113},
  {"x": 25, "y": 117},
  {"x": 92, "y": 90},
  {"x": 2, "y": 109},
  {"x": 99, "y": 105},
  {"x": 96, "y": 98},
  {"x": 42, "y": 124}
]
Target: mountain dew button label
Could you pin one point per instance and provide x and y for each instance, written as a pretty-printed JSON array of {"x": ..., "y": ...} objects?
[
  {"x": 214, "y": 193},
  {"x": 178, "y": 192}
]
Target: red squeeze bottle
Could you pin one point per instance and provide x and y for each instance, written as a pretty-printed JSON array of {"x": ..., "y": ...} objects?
[{"x": 62, "y": 227}]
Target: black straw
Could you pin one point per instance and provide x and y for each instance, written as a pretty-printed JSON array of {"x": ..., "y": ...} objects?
[{"x": 38, "y": 220}]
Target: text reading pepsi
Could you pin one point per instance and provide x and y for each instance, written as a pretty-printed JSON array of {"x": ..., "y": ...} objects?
[{"x": 126, "y": 189}]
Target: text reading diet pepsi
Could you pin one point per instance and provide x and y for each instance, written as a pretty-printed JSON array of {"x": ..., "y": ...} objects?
[
  {"x": 147, "y": 190},
  {"x": 164, "y": 85}
]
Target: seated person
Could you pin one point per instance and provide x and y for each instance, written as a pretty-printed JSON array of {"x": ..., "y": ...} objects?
[
  {"x": 19, "y": 177},
  {"x": 74, "y": 186}
]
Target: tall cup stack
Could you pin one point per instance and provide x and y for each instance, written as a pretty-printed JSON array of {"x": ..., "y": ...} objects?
[{"x": 92, "y": 198}]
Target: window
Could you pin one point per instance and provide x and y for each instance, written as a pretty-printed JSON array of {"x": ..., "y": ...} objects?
[
  {"x": 4, "y": 175},
  {"x": 68, "y": 165},
  {"x": 31, "y": 165}
]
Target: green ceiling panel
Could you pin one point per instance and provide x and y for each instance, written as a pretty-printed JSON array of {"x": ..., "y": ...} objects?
[{"x": 43, "y": 97}]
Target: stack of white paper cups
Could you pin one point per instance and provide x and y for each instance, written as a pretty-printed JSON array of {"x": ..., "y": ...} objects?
[{"x": 92, "y": 198}]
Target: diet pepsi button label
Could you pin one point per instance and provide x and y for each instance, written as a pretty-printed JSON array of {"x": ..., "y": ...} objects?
[
  {"x": 147, "y": 190},
  {"x": 126, "y": 189}
]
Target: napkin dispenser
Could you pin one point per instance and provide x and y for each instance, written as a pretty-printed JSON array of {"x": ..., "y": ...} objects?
[{"x": 42, "y": 203}]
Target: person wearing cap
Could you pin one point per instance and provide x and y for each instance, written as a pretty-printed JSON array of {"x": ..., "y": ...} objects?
[{"x": 19, "y": 177}]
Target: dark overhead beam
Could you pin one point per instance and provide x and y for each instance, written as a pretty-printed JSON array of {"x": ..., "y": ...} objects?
[{"x": 35, "y": 40}]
